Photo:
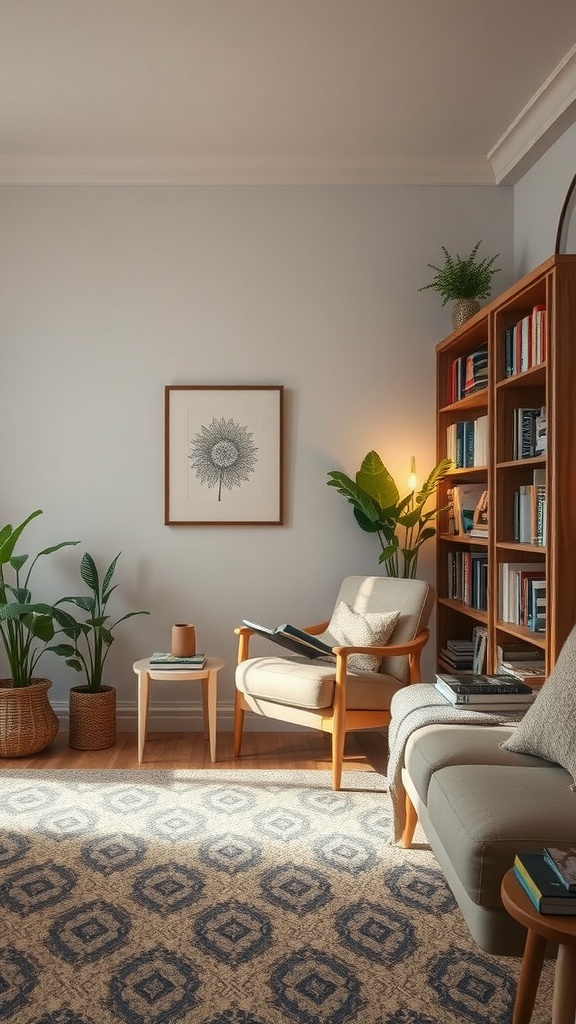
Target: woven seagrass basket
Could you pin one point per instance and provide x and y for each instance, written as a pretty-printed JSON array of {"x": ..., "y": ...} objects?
[
  {"x": 92, "y": 718},
  {"x": 28, "y": 722}
]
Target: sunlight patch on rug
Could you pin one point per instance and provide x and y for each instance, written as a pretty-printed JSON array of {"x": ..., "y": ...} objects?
[{"x": 230, "y": 897}]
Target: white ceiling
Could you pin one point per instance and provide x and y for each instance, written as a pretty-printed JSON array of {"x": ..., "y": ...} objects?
[{"x": 282, "y": 90}]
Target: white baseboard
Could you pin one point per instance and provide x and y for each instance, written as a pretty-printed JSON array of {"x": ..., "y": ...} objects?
[{"x": 181, "y": 718}]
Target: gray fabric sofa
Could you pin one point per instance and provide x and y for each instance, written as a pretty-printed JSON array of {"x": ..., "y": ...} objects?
[{"x": 479, "y": 805}]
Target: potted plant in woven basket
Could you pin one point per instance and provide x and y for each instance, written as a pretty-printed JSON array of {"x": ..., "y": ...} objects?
[
  {"x": 464, "y": 282},
  {"x": 92, "y": 723},
  {"x": 28, "y": 722}
]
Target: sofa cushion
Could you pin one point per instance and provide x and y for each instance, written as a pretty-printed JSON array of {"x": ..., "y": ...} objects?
[
  {"x": 485, "y": 814},
  {"x": 440, "y": 745},
  {"x": 548, "y": 728},
  {"x": 348, "y": 628}
]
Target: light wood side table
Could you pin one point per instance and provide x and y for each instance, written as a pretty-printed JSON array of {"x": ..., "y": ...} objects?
[
  {"x": 208, "y": 675},
  {"x": 541, "y": 928}
]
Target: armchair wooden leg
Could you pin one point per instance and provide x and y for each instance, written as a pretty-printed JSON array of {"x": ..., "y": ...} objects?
[
  {"x": 338, "y": 737},
  {"x": 411, "y": 822},
  {"x": 238, "y": 724}
]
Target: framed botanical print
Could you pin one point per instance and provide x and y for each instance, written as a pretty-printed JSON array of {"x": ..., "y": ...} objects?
[{"x": 223, "y": 455}]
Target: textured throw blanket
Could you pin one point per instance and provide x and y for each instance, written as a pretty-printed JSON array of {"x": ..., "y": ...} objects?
[{"x": 413, "y": 707}]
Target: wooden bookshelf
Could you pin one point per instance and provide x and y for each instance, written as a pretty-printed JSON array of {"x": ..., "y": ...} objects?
[{"x": 550, "y": 383}]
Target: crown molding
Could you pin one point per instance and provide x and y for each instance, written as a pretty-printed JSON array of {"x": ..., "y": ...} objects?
[
  {"x": 541, "y": 123},
  {"x": 189, "y": 170}
]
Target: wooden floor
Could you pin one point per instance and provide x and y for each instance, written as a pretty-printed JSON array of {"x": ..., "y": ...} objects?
[{"x": 365, "y": 751}]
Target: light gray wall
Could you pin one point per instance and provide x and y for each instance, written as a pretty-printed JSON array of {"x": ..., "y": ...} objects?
[
  {"x": 111, "y": 292},
  {"x": 538, "y": 200}
]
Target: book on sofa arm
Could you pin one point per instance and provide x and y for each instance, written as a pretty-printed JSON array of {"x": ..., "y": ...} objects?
[
  {"x": 502, "y": 693},
  {"x": 296, "y": 640},
  {"x": 476, "y": 682}
]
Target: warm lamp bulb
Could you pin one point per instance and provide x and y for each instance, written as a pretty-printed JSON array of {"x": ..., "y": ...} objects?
[{"x": 412, "y": 481}]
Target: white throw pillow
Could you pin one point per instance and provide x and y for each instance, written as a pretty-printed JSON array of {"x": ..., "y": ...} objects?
[
  {"x": 548, "y": 729},
  {"x": 352, "y": 629}
]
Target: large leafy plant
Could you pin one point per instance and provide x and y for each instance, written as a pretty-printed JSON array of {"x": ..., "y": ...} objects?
[
  {"x": 26, "y": 626},
  {"x": 92, "y": 637},
  {"x": 469, "y": 278},
  {"x": 402, "y": 524}
]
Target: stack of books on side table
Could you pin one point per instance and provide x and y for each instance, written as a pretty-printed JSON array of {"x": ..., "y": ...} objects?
[
  {"x": 478, "y": 692},
  {"x": 546, "y": 888},
  {"x": 169, "y": 661}
]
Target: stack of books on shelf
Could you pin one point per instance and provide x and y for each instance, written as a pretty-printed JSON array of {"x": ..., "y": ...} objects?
[
  {"x": 469, "y": 373},
  {"x": 467, "y": 443},
  {"x": 458, "y": 654},
  {"x": 529, "y": 510},
  {"x": 525, "y": 342},
  {"x": 522, "y": 594},
  {"x": 523, "y": 662},
  {"x": 549, "y": 879},
  {"x": 479, "y": 692},
  {"x": 529, "y": 433},
  {"x": 161, "y": 659}
]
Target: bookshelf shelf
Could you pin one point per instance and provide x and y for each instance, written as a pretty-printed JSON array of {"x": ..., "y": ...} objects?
[{"x": 530, "y": 413}]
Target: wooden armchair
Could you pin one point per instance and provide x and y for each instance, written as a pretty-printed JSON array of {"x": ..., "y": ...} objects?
[{"x": 354, "y": 691}]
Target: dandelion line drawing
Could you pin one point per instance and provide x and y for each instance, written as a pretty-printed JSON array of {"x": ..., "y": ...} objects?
[{"x": 223, "y": 454}]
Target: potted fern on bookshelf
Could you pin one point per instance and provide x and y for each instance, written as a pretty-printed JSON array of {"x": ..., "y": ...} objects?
[
  {"x": 464, "y": 282},
  {"x": 92, "y": 708}
]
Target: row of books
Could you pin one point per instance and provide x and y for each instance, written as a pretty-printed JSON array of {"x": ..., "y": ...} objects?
[
  {"x": 529, "y": 512},
  {"x": 522, "y": 594},
  {"x": 467, "y": 442},
  {"x": 468, "y": 373},
  {"x": 468, "y": 578},
  {"x": 529, "y": 432},
  {"x": 549, "y": 879},
  {"x": 480, "y": 692},
  {"x": 525, "y": 342}
]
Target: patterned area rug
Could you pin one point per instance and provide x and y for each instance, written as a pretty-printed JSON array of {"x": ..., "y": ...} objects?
[{"x": 229, "y": 897}]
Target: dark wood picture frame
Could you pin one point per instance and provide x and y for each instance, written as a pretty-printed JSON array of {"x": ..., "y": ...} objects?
[{"x": 223, "y": 455}]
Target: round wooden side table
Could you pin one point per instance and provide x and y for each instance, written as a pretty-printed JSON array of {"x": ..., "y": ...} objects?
[
  {"x": 541, "y": 928},
  {"x": 208, "y": 675}
]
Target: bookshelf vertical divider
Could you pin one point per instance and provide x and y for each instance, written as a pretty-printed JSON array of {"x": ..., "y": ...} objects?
[{"x": 518, "y": 579}]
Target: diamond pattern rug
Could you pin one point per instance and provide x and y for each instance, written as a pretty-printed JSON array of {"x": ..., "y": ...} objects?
[{"x": 229, "y": 897}]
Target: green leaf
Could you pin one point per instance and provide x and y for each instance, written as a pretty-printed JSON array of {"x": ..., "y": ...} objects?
[
  {"x": 9, "y": 540},
  {"x": 375, "y": 480},
  {"x": 89, "y": 573}
]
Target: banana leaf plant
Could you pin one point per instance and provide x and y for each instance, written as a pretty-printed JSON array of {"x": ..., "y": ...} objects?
[
  {"x": 26, "y": 626},
  {"x": 402, "y": 524},
  {"x": 92, "y": 637}
]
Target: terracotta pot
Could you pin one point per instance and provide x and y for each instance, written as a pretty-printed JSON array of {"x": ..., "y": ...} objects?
[
  {"x": 92, "y": 722},
  {"x": 183, "y": 640},
  {"x": 28, "y": 722}
]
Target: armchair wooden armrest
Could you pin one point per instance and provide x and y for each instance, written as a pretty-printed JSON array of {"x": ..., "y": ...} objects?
[{"x": 413, "y": 648}]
